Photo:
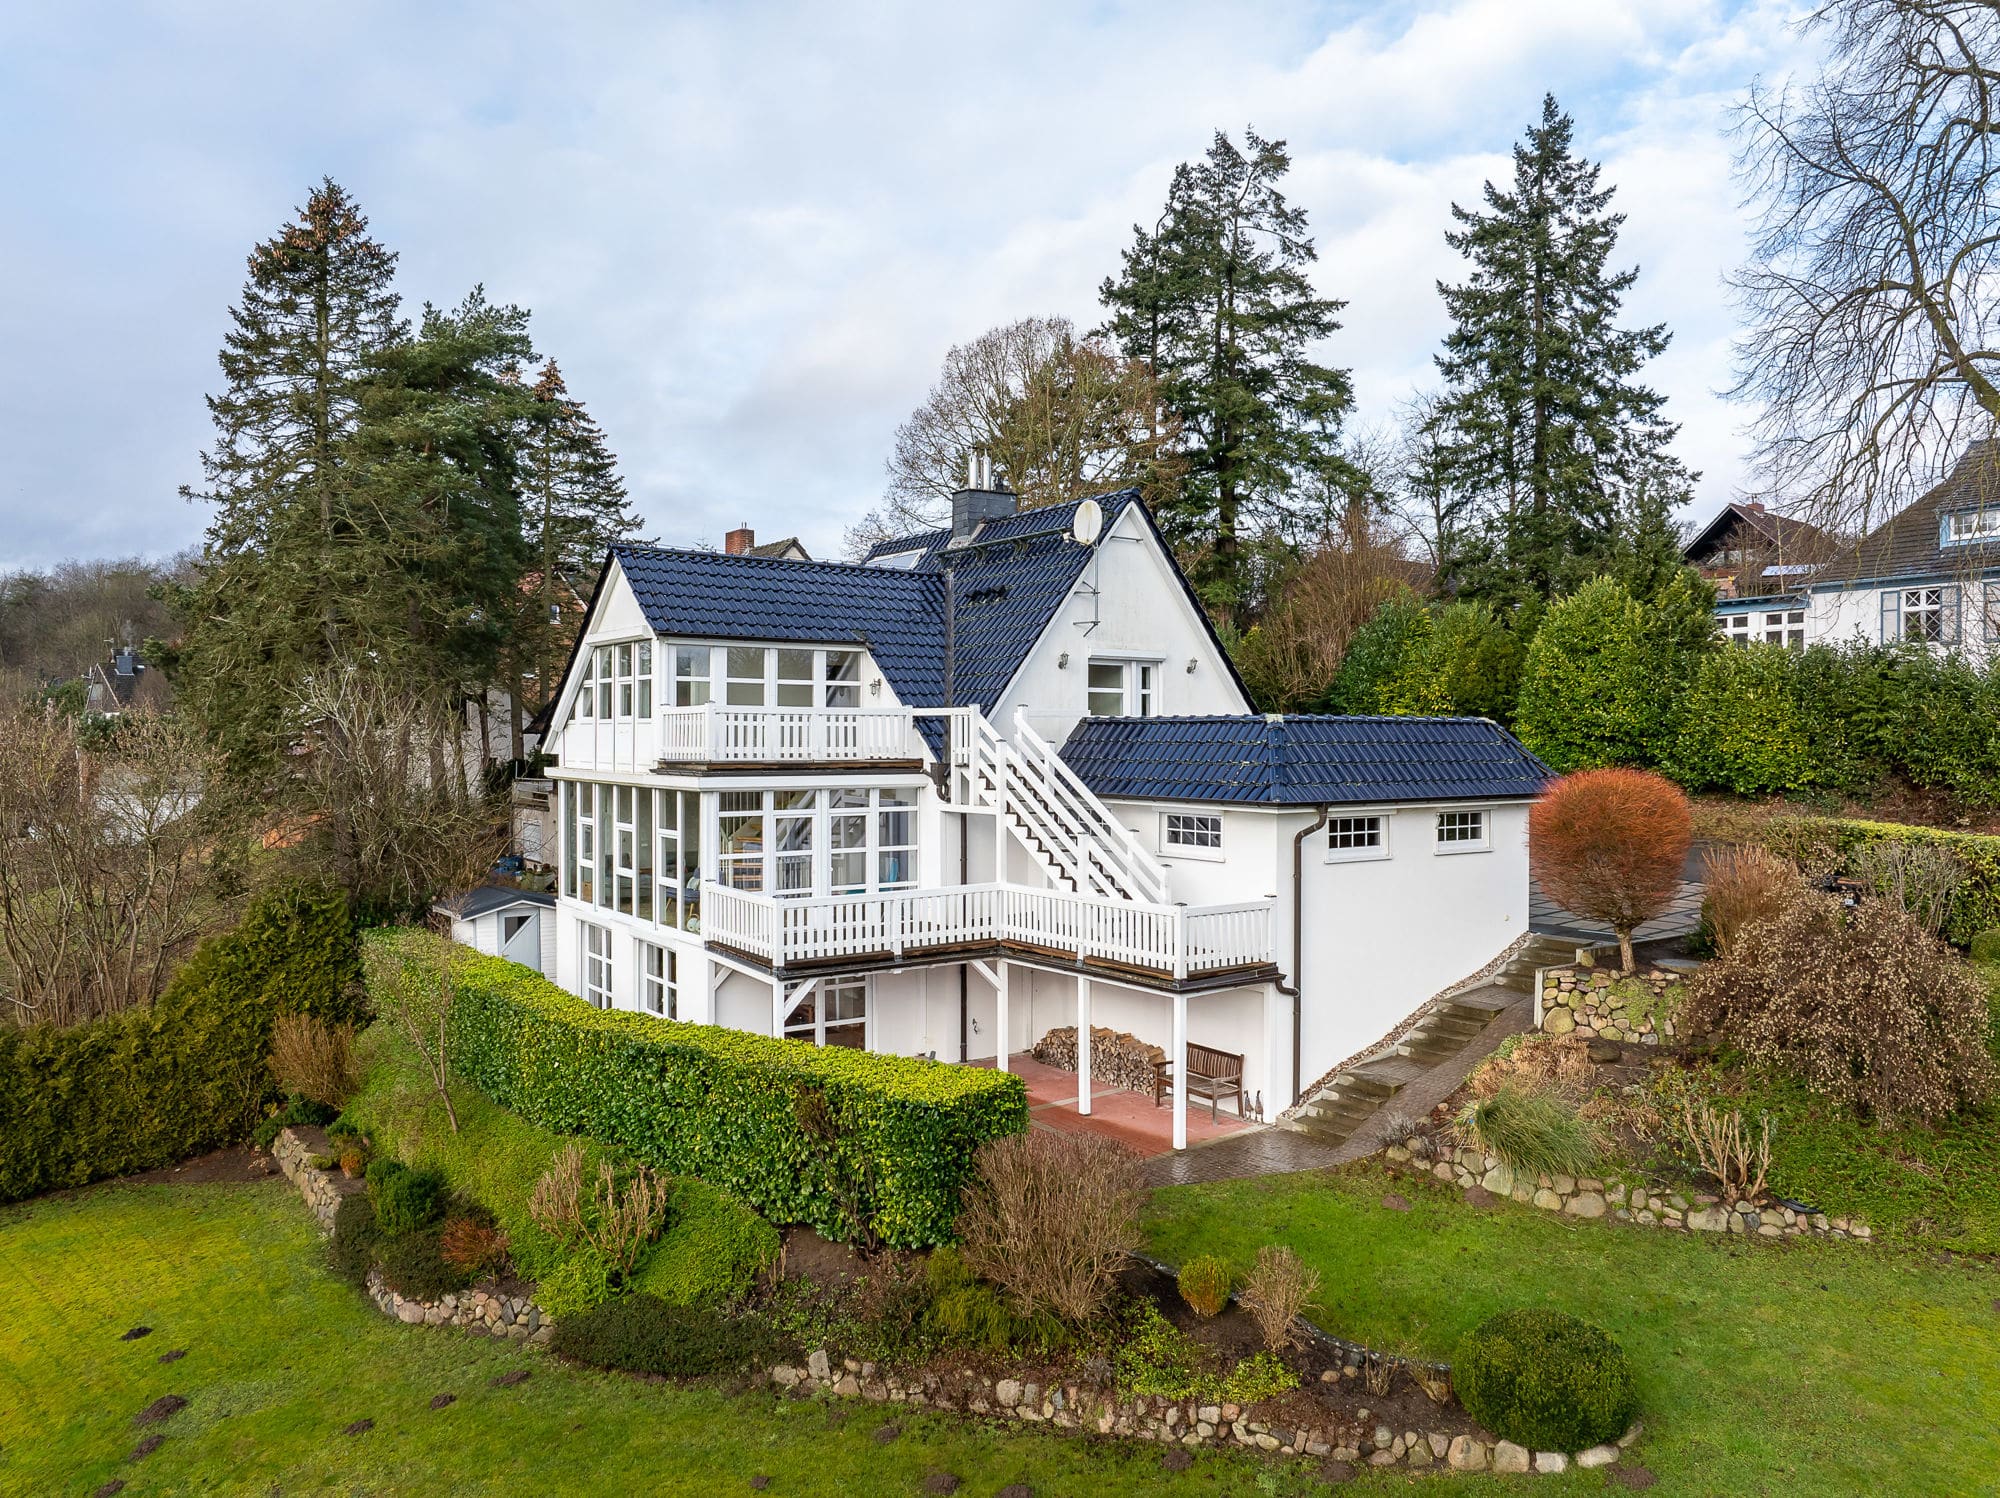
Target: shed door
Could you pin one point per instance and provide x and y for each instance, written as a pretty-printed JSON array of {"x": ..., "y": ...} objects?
[{"x": 521, "y": 937}]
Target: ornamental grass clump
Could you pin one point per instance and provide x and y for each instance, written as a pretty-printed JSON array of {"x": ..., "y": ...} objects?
[
  {"x": 1275, "y": 1292},
  {"x": 1532, "y": 1131},
  {"x": 1860, "y": 1005},
  {"x": 315, "y": 1060},
  {"x": 1204, "y": 1284},
  {"x": 1545, "y": 1380}
]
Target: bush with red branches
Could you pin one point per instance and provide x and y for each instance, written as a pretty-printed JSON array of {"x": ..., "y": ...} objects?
[{"x": 1609, "y": 845}]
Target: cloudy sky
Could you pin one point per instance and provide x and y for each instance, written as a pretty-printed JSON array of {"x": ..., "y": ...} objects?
[{"x": 749, "y": 232}]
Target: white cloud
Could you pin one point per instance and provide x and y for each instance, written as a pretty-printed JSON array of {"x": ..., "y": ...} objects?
[{"x": 750, "y": 233}]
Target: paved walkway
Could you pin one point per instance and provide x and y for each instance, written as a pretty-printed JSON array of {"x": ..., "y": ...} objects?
[
  {"x": 1264, "y": 1152},
  {"x": 1681, "y": 918}
]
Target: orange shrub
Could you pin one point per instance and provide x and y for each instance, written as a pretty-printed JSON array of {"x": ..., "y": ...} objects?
[{"x": 1609, "y": 845}]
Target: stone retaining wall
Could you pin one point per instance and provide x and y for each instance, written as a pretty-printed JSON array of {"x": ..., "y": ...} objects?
[
  {"x": 1076, "y": 1407},
  {"x": 479, "y": 1309},
  {"x": 1624, "y": 1200},
  {"x": 1641, "y": 1008},
  {"x": 323, "y": 1190}
]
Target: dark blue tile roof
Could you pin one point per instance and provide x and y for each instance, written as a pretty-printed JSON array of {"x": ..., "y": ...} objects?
[
  {"x": 1008, "y": 578},
  {"x": 1302, "y": 761}
]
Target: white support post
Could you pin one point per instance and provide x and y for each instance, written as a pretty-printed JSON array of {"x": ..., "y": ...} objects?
[
  {"x": 1000, "y": 1014},
  {"x": 1180, "y": 1070},
  {"x": 777, "y": 1007},
  {"x": 1083, "y": 1044}
]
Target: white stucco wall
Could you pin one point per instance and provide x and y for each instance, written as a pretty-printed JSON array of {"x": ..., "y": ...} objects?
[{"x": 1141, "y": 612}]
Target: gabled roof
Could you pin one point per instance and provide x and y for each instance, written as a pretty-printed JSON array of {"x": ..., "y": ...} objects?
[
  {"x": 1007, "y": 579},
  {"x": 1910, "y": 543},
  {"x": 783, "y": 548},
  {"x": 1303, "y": 760},
  {"x": 491, "y": 897},
  {"x": 713, "y": 595},
  {"x": 1789, "y": 539}
]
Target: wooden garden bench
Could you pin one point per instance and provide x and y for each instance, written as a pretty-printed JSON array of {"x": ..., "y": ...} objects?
[{"x": 1212, "y": 1074}]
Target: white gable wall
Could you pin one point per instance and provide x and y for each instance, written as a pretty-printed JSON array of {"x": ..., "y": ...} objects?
[{"x": 1141, "y": 612}]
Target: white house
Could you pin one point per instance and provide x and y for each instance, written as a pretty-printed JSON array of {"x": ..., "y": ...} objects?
[
  {"x": 1928, "y": 574},
  {"x": 1002, "y": 778}
]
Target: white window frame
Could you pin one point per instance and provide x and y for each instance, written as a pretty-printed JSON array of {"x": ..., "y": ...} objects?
[
  {"x": 1969, "y": 527},
  {"x": 1482, "y": 843},
  {"x": 594, "y": 955},
  {"x": 1138, "y": 686},
  {"x": 1785, "y": 627},
  {"x": 813, "y": 1031},
  {"x": 1736, "y": 628},
  {"x": 1352, "y": 824},
  {"x": 1921, "y": 603},
  {"x": 658, "y": 967},
  {"x": 694, "y": 674},
  {"x": 877, "y": 809},
  {"x": 1189, "y": 834}
]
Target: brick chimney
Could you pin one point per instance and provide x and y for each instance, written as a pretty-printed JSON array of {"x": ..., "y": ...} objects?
[
  {"x": 982, "y": 499},
  {"x": 739, "y": 541}
]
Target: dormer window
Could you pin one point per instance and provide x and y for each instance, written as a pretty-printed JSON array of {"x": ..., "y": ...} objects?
[{"x": 1964, "y": 526}]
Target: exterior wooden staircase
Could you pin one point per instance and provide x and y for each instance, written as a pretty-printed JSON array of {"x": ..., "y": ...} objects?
[{"x": 1439, "y": 1033}]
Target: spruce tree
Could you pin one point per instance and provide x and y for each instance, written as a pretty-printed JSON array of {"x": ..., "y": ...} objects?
[
  {"x": 1545, "y": 425},
  {"x": 286, "y": 578},
  {"x": 573, "y": 507},
  {"x": 1217, "y": 300}
]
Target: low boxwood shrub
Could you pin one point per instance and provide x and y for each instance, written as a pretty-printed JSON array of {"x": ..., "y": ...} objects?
[
  {"x": 406, "y": 1200},
  {"x": 413, "y": 1265},
  {"x": 186, "y": 1074},
  {"x": 643, "y": 1334},
  {"x": 577, "y": 1283},
  {"x": 722, "y": 1104},
  {"x": 351, "y": 1252},
  {"x": 1545, "y": 1380}
]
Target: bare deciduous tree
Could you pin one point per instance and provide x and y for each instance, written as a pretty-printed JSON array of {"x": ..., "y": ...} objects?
[
  {"x": 1873, "y": 340},
  {"x": 392, "y": 812},
  {"x": 114, "y": 856},
  {"x": 1061, "y": 416}
]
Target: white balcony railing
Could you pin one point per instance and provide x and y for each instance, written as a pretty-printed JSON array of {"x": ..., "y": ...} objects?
[
  {"x": 1173, "y": 941},
  {"x": 718, "y": 734}
]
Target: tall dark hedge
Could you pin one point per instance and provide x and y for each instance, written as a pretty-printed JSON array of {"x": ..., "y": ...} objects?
[{"x": 151, "y": 1086}]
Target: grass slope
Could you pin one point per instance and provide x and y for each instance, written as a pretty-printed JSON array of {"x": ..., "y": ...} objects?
[
  {"x": 281, "y": 1357},
  {"x": 1762, "y": 1368}
]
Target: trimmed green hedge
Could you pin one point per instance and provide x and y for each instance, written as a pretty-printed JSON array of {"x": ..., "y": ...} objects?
[
  {"x": 152, "y": 1086},
  {"x": 1821, "y": 844},
  {"x": 1545, "y": 1380},
  {"x": 724, "y": 1105},
  {"x": 713, "y": 1247}
]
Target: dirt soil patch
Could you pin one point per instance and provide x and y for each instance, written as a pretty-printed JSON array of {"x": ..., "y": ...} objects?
[
  {"x": 831, "y": 1265},
  {"x": 238, "y": 1165}
]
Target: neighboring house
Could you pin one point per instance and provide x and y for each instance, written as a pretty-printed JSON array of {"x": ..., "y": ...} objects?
[
  {"x": 517, "y": 924},
  {"x": 824, "y": 800},
  {"x": 1749, "y": 552},
  {"x": 1930, "y": 574},
  {"x": 742, "y": 542},
  {"x": 121, "y": 684}
]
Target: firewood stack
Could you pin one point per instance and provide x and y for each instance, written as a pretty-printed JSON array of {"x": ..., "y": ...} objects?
[{"x": 1116, "y": 1059}]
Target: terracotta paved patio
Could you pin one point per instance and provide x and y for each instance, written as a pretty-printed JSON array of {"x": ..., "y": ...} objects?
[{"x": 1129, "y": 1117}]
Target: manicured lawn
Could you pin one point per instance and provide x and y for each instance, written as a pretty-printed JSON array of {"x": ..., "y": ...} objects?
[
  {"x": 281, "y": 1357},
  {"x": 1762, "y": 1368}
]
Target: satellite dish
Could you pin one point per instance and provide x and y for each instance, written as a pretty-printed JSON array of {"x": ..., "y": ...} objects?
[{"x": 1089, "y": 522}]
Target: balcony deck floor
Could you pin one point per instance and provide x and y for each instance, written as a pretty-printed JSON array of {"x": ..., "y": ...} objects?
[{"x": 1129, "y": 1117}]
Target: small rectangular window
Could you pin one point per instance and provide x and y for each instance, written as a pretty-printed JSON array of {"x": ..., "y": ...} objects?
[
  {"x": 795, "y": 678},
  {"x": 1107, "y": 689},
  {"x": 1143, "y": 707},
  {"x": 843, "y": 678},
  {"x": 1192, "y": 832},
  {"x": 656, "y": 979},
  {"x": 604, "y": 682},
  {"x": 1356, "y": 837},
  {"x": 833, "y": 1012},
  {"x": 1461, "y": 831},
  {"x": 643, "y": 673},
  {"x": 691, "y": 674},
  {"x": 597, "y": 965},
  {"x": 744, "y": 686}
]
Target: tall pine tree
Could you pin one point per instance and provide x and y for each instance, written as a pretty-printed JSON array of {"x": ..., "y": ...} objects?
[
  {"x": 1544, "y": 425},
  {"x": 573, "y": 506},
  {"x": 288, "y": 578},
  {"x": 1216, "y": 299}
]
